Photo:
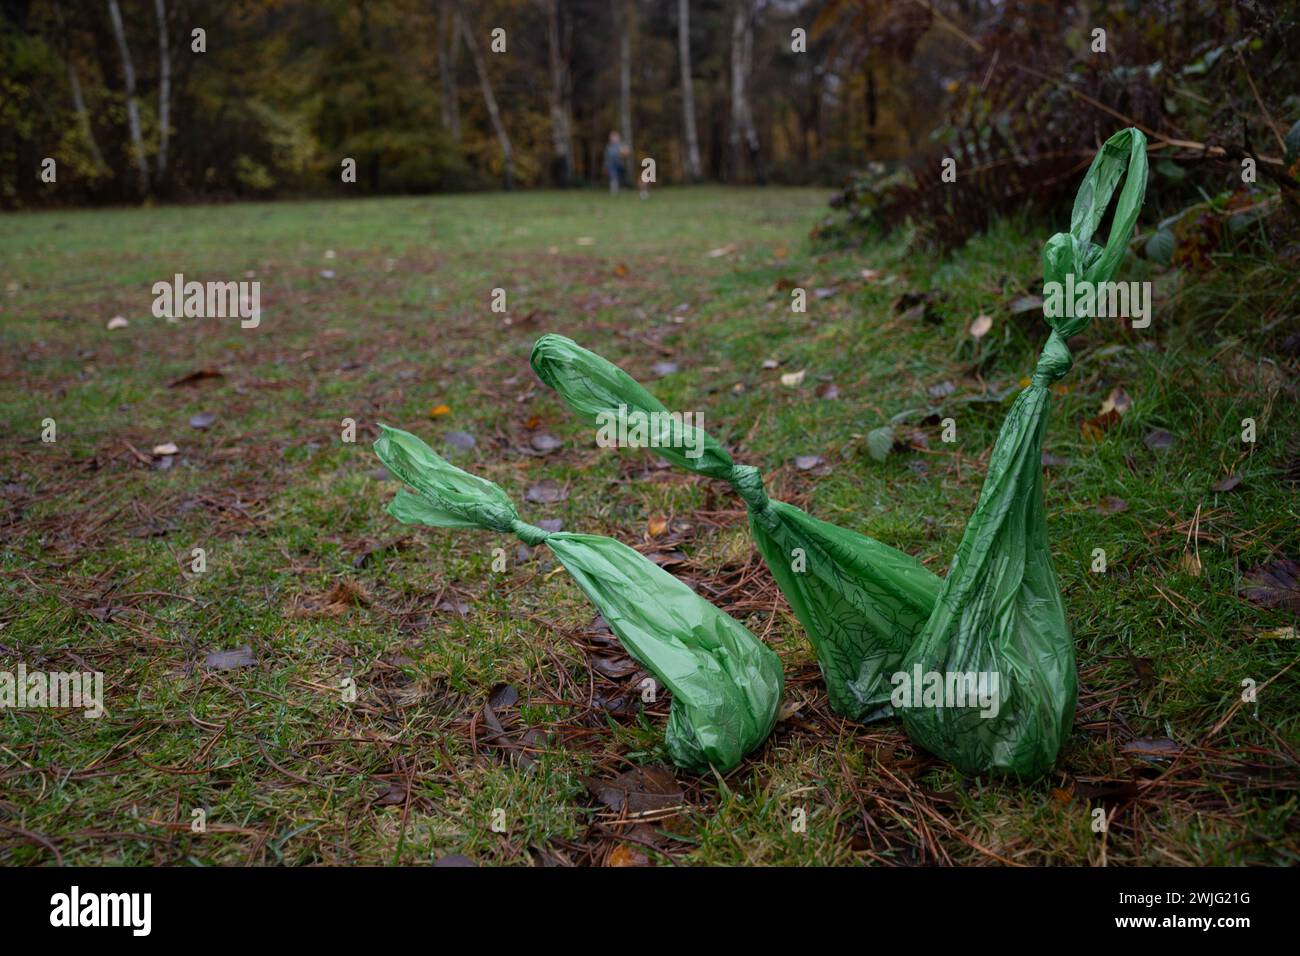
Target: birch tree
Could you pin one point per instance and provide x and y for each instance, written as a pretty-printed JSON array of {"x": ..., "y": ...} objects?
[
  {"x": 132, "y": 107},
  {"x": 164, "y": 87},
  {"x": 449, "y": 43},
  {"x": 489, "y": 100},
  {"x": 560, "y": 135},
  {"x": 688, "y": 90}
]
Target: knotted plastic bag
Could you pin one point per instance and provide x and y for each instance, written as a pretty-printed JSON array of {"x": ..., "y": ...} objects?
[
  {"x": 861, "y": 602},
  {"x": 726, "y": 684},
  {"x": 999, "y": 616}
]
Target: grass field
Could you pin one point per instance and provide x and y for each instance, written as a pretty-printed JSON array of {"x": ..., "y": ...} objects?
[{"x": 479, "y": 691}]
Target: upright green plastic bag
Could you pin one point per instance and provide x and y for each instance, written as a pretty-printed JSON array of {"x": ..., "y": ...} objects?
[
  {"x": 726, "y": 684},
  {"x": 861, "y": 602},
  {"x": 1000, "y": 610}
]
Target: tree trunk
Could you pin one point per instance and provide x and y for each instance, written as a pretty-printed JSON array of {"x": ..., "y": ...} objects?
[
  {"x": 559, "y": 115},
  {"x": 688, "y": 90},
  {"x": 164, "y": 88},
  {"x": 507, "y": 154},
  {"x": 132, "y": 107},
  {"x": 625, "y": 76},
  {"x": 744, "y": 139},
  {"x": 83, "y": 119},
  {"x": 447, "y": 47}
]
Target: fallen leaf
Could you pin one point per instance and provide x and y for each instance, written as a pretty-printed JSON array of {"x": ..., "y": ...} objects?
[
  {"x": 1117, "y": 401},
  {"x": 1191, "y": 563},
  {"x": 880, "y": 441},
  {"x": 807, "y": 462},
  {"x": 656, "y": 526},
  {"x": 1276, "y": 584},
  {"x": 828, "y": 391},
  {"x": 203, "y": 420},
  {"x": 502, "y": 696},
  {"x": 726, "y": 250},
  {"x": 545, "y": 443},
  {"x": 230, "y": 660},
  {"x": 1026, "y": 303},
  {"x": 439, "y": 410},
  {"x": 660, "y": 369},
  {"x": 639, "y": 790},
  {"x": 460, "y": 440},
  {"x": 614, "y": 667},
  {"x": 545, "y": 492},
  {"x": 117, "y": 322},
  {"x": 1111, "y": 506},
  {"x": 198, "y": 375},
  {"x": 621, "y": 270},
  {"x": 625, "y": 855},
  {"x": 1155, "y": 748},
  {"x": 770, "y": 363},
  {"x": 1159, "y": 440},
  {"x": 793, "y": 379},
  {"x": 980, "y": 327},
  {"x": 1226, "y": 483},
  {"x": 1094, "y": 429},
  {"x": 167, "y": 448}
]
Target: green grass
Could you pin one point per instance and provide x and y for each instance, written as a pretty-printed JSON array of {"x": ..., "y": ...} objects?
[{"x": 95, "y": 545}]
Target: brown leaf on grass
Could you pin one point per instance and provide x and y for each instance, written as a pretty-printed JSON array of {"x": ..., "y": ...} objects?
[
  {"x": 1026, "y": 303},
  {"x": 335, "y": 602},
  {"x": 1159, "y": 440},
  {"x": 828, "y": 391},
  {"x": 656, "y": 526},
  {"x": 392, "y": 794},
  {"x": 1153, "y": 748},
  {"x": 613, "y": 667},
  {"x": 198, "y": 375},
  {"x": 545, "y": 443},
  {"x": 230, "y": 660},
  {"x": 808, "y": 462},
  {"x": 545, "y": 493},
  {"x": 624, "y": 854},
  {"x": 1117, "y": 401},
  {"x": 203, "y": 420},
  {"x": 981, "y": 326},
  {"x": 621, "y": 271},
  {"x": 1226, "y": 483},
  {"x": 1111, "y": 506},
  {"x": 1191, "y": 563},
  {"x": 1276, "y": 584},
  {"x": 639, "y": 790},
  {"x": 1144, "y": 668},
  {"x": 666, "y": 559},
  {"x": 1095, "y": 428},
  {"x": 502, "y": 696}
]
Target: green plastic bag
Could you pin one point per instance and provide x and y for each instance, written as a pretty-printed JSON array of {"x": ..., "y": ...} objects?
[
  {"x": 1000, "y": 610},
  {"x": 861, "y": 602},
  {"x": 726, "y": 684}
]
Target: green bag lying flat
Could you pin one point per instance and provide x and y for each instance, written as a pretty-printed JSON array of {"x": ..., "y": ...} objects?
[
  {"x": 861, "y": 602},
  {"x": 1000, "y": 609},
  {"x": 726, "y": 684}
]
